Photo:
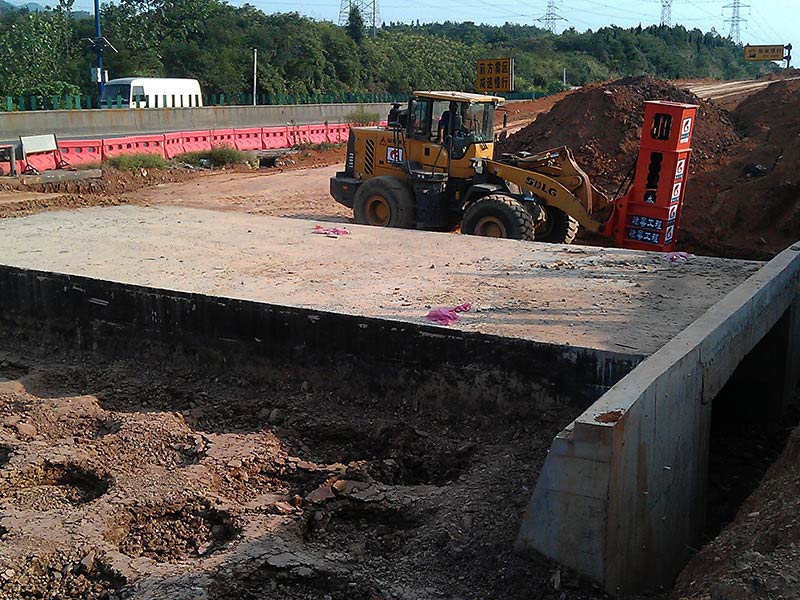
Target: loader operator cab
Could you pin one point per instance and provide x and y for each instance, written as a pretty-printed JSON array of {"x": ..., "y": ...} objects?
[{"x": 453, "y": 120}]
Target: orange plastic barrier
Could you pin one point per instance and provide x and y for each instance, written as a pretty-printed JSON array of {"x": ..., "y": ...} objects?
[
  {"x": 173, "y": 144},
  {"x": 274, "y": 137},
  {"x": 298, "y": 134},
  {"x": 196, "y": 141},
  {"x": 338, "y": 132},
  {"x": 5, "y": 168},
  {"x": 317, "y": 134},
  {"x": 117, "y": 146},
  {"x": 222, "y": 137},
  {"x": 247, "y": 139},
  {"x": 81, "y": 152},
  {"x": 150, "y": 144}
]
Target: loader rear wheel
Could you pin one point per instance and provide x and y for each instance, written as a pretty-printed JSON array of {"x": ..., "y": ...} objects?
[
  {"x": 384, "y": 202},
  {"x": 497, "y": 215},
  {"x": 557, "y": 228}
]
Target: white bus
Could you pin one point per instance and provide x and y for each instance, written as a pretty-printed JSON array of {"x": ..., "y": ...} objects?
[{"x": 151, "y": 92}]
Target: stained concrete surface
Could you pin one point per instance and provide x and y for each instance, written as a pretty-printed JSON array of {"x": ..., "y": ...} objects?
[{"x": 591, "y": 297}]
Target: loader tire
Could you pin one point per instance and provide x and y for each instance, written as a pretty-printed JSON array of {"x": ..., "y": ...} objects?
[
  {"x": 557, "y": 228},
  {"x": 497, "y": 215},
  {"x": 384, "y": 202}
]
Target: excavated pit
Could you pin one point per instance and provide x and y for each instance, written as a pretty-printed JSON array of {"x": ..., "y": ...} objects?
[
  {"x": 62, "y": 575},
  {"x": 49, "y": 486},
  {"x": 175, "y": 533}
]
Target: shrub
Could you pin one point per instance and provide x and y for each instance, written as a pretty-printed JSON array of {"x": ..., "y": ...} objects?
[
  {"x": 133, "y": 162},
  {"x": 219, "y": 156},
  {"x": 362, "y": 117}
]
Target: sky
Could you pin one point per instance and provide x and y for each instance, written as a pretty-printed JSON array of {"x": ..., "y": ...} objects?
[{"x": 767, "y": 21}]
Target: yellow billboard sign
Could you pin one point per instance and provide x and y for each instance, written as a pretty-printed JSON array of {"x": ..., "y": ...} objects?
[
  {"x": 495, "y": 75},
  {"x": 764, "y": 52}
]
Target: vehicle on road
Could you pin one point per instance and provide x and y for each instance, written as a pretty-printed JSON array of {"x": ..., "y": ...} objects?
[
  {"x": 151, "y": 92},
  {"x": 412, "y": 174}
]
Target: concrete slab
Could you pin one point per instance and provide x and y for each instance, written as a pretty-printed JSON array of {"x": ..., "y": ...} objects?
[{"x": 605, "y": 299}]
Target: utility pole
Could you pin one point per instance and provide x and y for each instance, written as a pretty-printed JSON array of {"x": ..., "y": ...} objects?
[
  {"x": 550, "y": 17},
  {"x": 98, "y": 48},
  {"x": 666, "y": 13},
  {"x": 255, "y": 68},
  {"x": 736, "y": 20}
]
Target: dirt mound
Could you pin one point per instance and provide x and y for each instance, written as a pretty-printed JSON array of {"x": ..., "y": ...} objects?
[
  {"x": 602, "y": 125},
  {"x": 749, "y": 206},
  {"x": 755, "y": 556}
]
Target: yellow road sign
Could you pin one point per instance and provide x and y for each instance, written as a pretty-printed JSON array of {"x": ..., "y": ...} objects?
[
  {"x": 764, "y": 52},
  {"x": 495, "y": 75}
]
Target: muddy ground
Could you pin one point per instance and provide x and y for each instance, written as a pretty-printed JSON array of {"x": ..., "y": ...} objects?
[{"x": 151, "y": 478}]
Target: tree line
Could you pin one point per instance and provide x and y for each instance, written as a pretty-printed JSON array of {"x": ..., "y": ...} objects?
[{"x": 46, "y": 53}]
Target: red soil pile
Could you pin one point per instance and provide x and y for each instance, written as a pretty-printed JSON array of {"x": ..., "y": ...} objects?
[
  {"x": 749, "y": 205},
  {"x": 743, "y": 194},
  {"x": 602, "y": 125}
]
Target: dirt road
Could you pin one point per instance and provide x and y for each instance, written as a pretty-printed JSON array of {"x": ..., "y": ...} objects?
[{"x": 299, "y": 194}]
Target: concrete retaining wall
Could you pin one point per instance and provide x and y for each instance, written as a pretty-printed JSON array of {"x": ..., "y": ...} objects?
[
  {"x": 623, "y": 501},
  {"x": 404, "y": 362},
  {"x": 109, "y": 122}
]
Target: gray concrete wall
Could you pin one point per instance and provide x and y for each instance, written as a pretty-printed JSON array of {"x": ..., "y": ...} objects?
[
  {"x": 420, "y": 365},
  {"x": 110, "y": 122},
  {"x": 623, "y": 501}
]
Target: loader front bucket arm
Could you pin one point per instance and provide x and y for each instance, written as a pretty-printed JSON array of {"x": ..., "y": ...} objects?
[{"x": 554, "y": 177}]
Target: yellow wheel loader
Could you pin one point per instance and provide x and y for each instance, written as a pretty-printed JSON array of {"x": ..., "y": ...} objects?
[{"x": 433, "y": 167}]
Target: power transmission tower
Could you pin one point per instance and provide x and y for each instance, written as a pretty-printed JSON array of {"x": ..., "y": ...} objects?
[
  {"x": 666, "y": 13},
  {"x": 550, "y": 17},
  {"x": 369, "y": 12},
  {"x": 736, "y": 19}
]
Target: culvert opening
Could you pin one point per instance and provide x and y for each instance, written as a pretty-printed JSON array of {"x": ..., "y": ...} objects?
[
  {"x": 750, "y": 425},
  {"x": 48, "y": 486},
  {"x": 175, "y": 533},
  {"x": 396, "y": 454}
]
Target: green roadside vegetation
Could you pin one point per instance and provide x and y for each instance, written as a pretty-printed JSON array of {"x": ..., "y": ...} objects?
[{"x": 45, "y": 53}]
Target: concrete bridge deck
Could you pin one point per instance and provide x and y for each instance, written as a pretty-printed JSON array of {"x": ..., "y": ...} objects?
[{"x": 607, "y": 299}]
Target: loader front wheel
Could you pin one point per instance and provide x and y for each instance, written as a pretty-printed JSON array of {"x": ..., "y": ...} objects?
[
  {"x": 384, "y": 202},
  {"x": 557, "y": 228},
  {"x": 497, "y": 215}
]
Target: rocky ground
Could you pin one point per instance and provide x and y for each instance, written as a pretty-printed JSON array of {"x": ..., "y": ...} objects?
[{"x": 149, "y": 478}]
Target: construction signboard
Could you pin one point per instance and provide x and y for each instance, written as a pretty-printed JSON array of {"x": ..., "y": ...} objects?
[
  {"x": 775, "y": 52},
  {"x": 495, "y": 75}
]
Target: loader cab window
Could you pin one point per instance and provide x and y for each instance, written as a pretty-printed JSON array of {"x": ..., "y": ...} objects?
[
  {"x": 477, "y": 127},
  {"x": 420, "y": 118}
]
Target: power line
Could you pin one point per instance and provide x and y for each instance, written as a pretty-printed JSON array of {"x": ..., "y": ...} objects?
[
  {"x": 368, "y": 9},
  {"x": 550, "y": 17},
  {"x": 666, "y": 13},
  {"x": 736, "y": 20}
]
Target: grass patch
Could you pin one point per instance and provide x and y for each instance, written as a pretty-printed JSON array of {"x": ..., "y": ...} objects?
[
  {"x": 219, "y": 156},
  {"x": 134, "y": 162},
  {"x": 362, "y": 117}
]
